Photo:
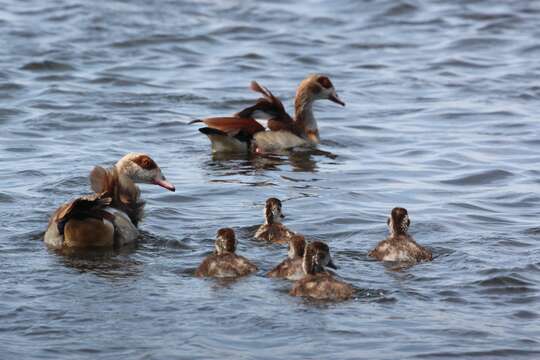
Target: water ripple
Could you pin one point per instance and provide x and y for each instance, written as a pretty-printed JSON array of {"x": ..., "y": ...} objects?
[{"x": 482, "y": 178}]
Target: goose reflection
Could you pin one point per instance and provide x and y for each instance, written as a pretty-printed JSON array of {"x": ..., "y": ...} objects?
[
  {"x": 110, "y": 264},
  {"x": 226, "y": 164}
]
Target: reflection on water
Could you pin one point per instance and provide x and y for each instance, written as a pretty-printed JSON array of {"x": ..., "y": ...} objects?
[
  {"x": 102, "y": 263},
  {"x": 303, "y": 160}
]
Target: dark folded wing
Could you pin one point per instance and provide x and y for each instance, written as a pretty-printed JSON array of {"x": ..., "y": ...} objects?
[
  {"x": 83, "y": 207},
  {"x": 234, "y": 125}
]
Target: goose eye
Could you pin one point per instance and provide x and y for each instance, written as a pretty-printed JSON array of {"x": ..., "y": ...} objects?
[
  {"x": 325, "y": 82},
  {"x": 145, "y": 162}
]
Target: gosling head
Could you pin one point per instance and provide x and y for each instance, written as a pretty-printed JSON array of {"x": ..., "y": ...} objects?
[
  {"x": 272, "y": 211},
  {"x": 297, "y": 244},
  {"x": 316, "y": 258},
  {"x": 225, "y": 241},
  {"x": 398, "y": 222}
]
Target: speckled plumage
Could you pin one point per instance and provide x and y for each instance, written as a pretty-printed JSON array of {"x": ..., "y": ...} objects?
[
  {"x": 225, "y": 265},
  {"x": 276, "y": 233},
  {"x": 290, "y": 269},
  {"x": 322, "y": 286}
]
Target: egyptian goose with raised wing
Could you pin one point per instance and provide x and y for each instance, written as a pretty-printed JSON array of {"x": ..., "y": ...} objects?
[
  {"x": 242, "y": 132},
  {"x": 109, "y": 218},
  {"x": 400, "y": 246}
]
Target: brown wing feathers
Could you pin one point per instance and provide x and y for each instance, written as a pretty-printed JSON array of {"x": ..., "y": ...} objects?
[
  {"x": 275, "y": 103},
  {"x": 233, "y": 125},
  {"x": 243, "y": 121},
  {"x": 90, "y": 206},
  {"x": 268, "y": 104},
  {"x": 273, "y": 107}
]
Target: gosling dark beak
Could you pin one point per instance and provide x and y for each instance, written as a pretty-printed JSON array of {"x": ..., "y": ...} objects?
[
  {"x": 336, "y": 99},
  {"x": 332, "y": 265},
  {"x": 282, "y": 216}
]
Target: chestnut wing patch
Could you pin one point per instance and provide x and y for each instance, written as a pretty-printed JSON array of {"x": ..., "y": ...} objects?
[
  {"x": 91, "y": 206},
  {"x": 234, "y": 125}
]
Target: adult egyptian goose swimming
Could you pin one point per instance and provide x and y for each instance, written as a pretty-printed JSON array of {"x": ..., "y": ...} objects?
[
  {"x": 317, "y": 283},
  {"x": 400, "y": 246},
  {"x": 109, "y": 218},
  {"x": 242, "y": 132},
  {"x": 273, "y": 230},
  {"x": 291, "y": 268},
  {"x": 224, "y": 263}
]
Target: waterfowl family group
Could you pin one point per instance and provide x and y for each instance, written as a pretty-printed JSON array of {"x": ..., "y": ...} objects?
[
  {"x": 307, "y": 262},
  {"x": 109, "y": 217}
]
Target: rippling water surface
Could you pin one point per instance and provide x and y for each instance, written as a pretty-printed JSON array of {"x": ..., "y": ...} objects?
[{"x": 441, "y": 118}]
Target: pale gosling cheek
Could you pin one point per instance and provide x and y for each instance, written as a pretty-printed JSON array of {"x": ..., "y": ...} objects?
[
  {"x": 276, "y": 212},
  {"x": 290, "y": 253},
  {"x": 390, "y": 225}
]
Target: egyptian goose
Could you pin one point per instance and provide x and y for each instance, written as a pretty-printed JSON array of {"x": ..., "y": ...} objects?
[
  {"x": 224, "y": 263},
  {"x": 317, "y": 283},
  {"x": 242, "y": 132},
  {"x": 400, "y": 246},
  {"x": 291, "y": 267},
  {"x": 273, "y": 230},
  {"x": 109, "y": 218}
]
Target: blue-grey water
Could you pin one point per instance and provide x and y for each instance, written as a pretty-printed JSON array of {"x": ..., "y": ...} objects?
[{"x": 441, "y": 118}]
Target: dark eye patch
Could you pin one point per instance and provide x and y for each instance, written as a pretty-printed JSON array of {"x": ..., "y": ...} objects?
[
  {"x": 325, "y": 82},
  {"x": 145, "y": 162}
]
